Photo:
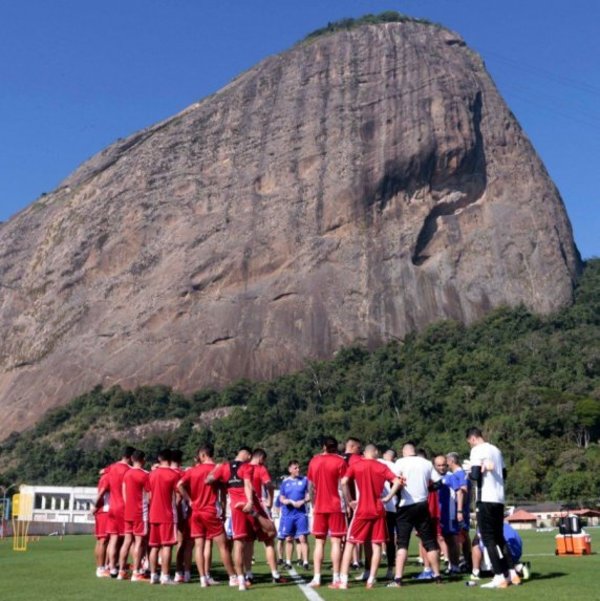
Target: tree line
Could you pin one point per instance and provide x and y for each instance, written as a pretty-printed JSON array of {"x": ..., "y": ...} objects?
[{"x": 532, "y": 383}]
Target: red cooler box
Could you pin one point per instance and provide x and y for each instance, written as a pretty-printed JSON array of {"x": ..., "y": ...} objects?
[{"x": 573, "y": 544}]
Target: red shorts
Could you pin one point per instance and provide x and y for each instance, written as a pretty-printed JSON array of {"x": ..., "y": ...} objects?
[
  {"x": 136, "y": 527},
  {"x": 367, "y": 530},
  {"x": 116, "y": 523},
  {"x": 162, "y": 534},
  {"x": 243, "y": 525},
  {"x": 206, "y": 525},
  {"x": 332, "y": 524},
  {"x": 101, "y": 520}
]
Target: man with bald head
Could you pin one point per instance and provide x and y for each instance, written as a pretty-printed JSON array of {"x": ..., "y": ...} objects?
[
  {"x": 368, "y": 524},
  {"x": 413, "y": 512}
]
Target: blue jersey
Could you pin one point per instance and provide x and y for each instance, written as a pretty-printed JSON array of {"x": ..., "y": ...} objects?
[
  {"x": 460, "y": 480},
  {"x": 513, "y": 542},
  {"x": 447, "y": 501},
  {"x": 294, "y": 489}
]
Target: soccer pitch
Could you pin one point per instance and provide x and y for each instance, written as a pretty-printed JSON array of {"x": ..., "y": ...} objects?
[{"x": 61, "y": 570}]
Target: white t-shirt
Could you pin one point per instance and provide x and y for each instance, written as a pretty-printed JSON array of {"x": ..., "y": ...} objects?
[
  {"x": 419, "y": 472},
  {"x": 391, "y": 504},
  {"x": 492, "y": 487}
]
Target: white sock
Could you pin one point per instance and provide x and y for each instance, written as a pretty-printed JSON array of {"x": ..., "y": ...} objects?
[
  {"x": 275, "y": 574},
  {"x": 370, "y": 580},
  {"x": 344, "y": 578},
  {"x": 317, "y": 578},
  {"x": 336, "y": 576},
  {"x": 475, "y": 572}
]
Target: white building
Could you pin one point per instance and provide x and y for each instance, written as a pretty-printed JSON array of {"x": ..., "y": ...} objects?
[{"x": 64, "y": 509}]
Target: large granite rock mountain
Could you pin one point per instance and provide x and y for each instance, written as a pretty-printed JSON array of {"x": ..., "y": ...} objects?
[{"x": 347, "y": 191}]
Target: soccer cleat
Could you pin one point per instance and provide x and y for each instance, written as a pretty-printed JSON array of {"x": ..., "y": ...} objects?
[
  {"x": 314, "y": 584},
  {"x": 306, "y": 566},
  {"x": 339, "y": 586},
  {"x": 395, "y": 583},
  {"x": 203, "y": 582},
  {"x": 424, "y": 575},
  {"x": 370, "y": 584},
  {"x": 280, "y": 580},
  {"x": 497, "y": 582},
  {"x": 102, "y": 573},
  {"x": 474, "y": 577},
  {"x": 114, "y": 573},
  {"x": 154, "y": 579},
  {"x": 122, "y": 575},
  {"x": 139, "y": 577},
  {"x": 178, "y": 578},
  {"x": 515, "y": 579},
  {"x": 233, "y": 580},
  {"x": 166, "y": 580},
  {"x": 212, "y": 582},
  {"x": 362, "y": 577},
  {"x": 288, "y": 566}
]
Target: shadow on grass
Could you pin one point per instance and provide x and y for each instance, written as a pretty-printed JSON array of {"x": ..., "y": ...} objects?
[{"x": 547, "y": 575}]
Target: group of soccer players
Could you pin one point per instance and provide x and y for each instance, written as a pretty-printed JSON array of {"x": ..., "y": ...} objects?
[{"x": 360, "y": 502}]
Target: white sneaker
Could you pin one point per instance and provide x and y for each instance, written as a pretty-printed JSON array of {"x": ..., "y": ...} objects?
[
  {"x": 203, "y": 582},
  {"x": 178, "y": 577},
  {"x": 497, "y": 582},
  {"x": 154, "y": 579},
  {"x": 212, "y": 582},
  {"x": 233, "y": 580},
  {"x": 166, "y": 580}
]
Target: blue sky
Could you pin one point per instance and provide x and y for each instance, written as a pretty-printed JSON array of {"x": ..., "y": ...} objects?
[{"x": 75, "y": 75}]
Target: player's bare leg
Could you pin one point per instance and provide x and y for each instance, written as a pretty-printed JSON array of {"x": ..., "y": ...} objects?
[
  {"x": 318, "y": 561},
  {"x": 165, "y": 561},
  {"x": 375, "y": 561},
  {"x": 336, "y": 555},
  {"x": 221, "y": 542},
  {"x": 239, "y": 547},
  {"x": 124, "y": 554}
]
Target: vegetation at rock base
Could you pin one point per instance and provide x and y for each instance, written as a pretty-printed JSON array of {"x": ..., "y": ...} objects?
[
  {"x": 531, "y": 382},
  {"x": 347, "y": 24}
]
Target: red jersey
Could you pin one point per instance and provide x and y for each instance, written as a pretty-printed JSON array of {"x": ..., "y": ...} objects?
[
  {"x": 235, "y": 485},
  {"x": 260, "y": 478},
  {"x": 115, "y": 473},
  {"x": 161, "y": 484},
  {"x": 135, "y": 483},
  {"x": 325, "y": 472},
  {"x": 204, "y": 496},
  {"x": 103, "y": 484},
  {"x": 352, "y": 458},
  {"x": 370, "y": 477},
  {"x": 433, "y": 504}
]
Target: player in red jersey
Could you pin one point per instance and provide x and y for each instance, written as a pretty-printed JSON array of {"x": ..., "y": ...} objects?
[
  {"x": 237, "y": 476},
  {"x": 116, "y": 520},
  {"x": 263, "y": 488},
  {"x": 324, "y": 474},
  {"x": 206, "y": 524},
  {"x": 100, "y": 511},
  {"x": 185, "y": 545},
  {"x": 162, "y": 484},
  {"x": 368, "y": 523},
  {"x": 135, "y": 484}
]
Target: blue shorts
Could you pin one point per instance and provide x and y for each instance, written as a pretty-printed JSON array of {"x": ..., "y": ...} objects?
[{"x": 293, "y": 525}]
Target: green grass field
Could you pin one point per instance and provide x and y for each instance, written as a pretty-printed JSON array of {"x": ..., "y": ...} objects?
[{"x": 61, "y": 570}]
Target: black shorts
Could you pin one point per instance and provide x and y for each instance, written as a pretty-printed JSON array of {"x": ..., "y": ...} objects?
[{"x": 415, "y": 516}]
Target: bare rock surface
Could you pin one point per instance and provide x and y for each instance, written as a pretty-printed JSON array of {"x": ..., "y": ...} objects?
[{"x": 347, "y": 191}]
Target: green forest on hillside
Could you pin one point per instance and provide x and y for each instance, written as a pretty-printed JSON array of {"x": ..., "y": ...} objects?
[{"x": 532, "y": 383}]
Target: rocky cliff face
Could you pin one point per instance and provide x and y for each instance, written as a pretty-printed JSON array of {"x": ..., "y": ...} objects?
[{"x": 348, "y": 191}]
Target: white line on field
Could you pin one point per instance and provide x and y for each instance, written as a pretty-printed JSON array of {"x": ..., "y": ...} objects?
[{"x": 310, "y": 593}]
